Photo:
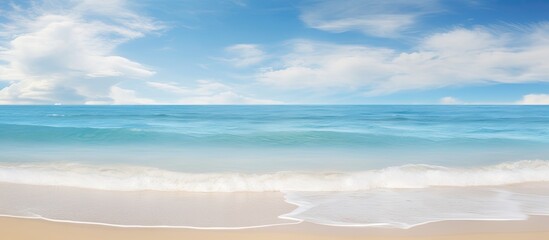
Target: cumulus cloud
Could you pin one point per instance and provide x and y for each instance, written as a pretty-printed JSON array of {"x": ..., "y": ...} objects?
[
  {"x": 535, "y": 99},
  {"x": 377, "y": 18},
  {"x": 126, "y": 96},
  {"x": 450, "y": 101},
  {"x": 457, "y": 57},
  {"x": 63, "y": 51},
  {"x": 244, "y": 55},
  {"x": 207, "y": 92}
]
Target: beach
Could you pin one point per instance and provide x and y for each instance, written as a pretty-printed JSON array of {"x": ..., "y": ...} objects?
[
  {"x": 274, "y": 119},
  {"x": 282, "y": 172},
  {"x": 534, "y": 228}
]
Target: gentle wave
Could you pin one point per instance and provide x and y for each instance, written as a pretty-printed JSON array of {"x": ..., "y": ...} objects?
[
  {"x": 19, "y": 133},
  {"x": 134, "y": 178},
  {"x": 38, "y": 133}
]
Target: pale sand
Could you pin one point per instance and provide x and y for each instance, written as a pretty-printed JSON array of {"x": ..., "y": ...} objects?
[{"x": 535, "y": 228}]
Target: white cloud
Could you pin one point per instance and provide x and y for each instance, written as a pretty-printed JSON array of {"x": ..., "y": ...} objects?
[
  {"x": 321, "y": 65},
  {"x": 377, "y": 18},
  {"x": 456, "y": 57},
  {"x": 244, "y": 55},
  {"x": 169, "y": 87},
  {"x": 39, "y": 91},
  {"x": 207, "y": 92},
  {"x": 125, "y": 96},
  {"x": 535, "y": 99},
  {"x": 449, "y": 101},
  {"x": 63, "y": 51}
]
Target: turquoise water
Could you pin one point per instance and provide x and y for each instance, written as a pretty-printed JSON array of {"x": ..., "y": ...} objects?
[
  {"x": 340, "y": 165},
  {"x": 267, "y": 138}
]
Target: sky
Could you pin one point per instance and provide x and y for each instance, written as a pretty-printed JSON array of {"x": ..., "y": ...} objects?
[{"x": 274, "y": 52}]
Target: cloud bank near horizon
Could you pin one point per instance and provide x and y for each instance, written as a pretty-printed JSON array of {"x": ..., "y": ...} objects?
[{"x": 457, "y": 57}]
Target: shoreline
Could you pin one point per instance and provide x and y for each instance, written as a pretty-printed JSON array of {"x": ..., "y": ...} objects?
[
  {"x": 226, "y": 211},
  {"x": 536, "y": 227}
]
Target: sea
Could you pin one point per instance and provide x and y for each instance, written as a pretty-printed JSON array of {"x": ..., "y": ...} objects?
[{"x": 395, "y": 166}]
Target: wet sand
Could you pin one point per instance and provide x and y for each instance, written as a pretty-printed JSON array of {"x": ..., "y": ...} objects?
[{"x": 534, "y": 228}]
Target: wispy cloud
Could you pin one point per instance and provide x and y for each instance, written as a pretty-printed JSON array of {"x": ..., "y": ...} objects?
[
  {"x": 244, "y": 55},
  {"x": 63, "y": 51},
  {"x": 206, "y": 92},
  {"x": 377, "y": 18},
  {"x": 241, "y": 3},
  {"x": 126, "y": 96},
  {"x": 457, "y": 57}
]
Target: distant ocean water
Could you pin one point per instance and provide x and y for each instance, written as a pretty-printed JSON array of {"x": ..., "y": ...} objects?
[{"x": 396, "y": 166}]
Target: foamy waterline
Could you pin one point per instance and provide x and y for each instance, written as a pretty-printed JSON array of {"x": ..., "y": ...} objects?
[
  {"x": 135, "y": 178},
  {"x": 408, "y": 208},
  {"x": 335, "y": 209},
  {"x": 148, "y": 226}
]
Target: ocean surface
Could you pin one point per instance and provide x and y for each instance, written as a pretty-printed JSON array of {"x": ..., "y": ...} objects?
[{"x": 378, "y": 166}]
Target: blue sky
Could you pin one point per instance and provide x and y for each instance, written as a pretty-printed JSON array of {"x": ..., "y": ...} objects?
[{"x": 274, "y": 52}]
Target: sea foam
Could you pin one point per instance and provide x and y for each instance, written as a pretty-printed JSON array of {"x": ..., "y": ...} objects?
[
  {"x": 135, "y": 178},
  {"x": 406, "y": 208}
]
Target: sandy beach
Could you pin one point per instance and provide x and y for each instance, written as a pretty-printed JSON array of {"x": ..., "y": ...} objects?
[
  {"x": 211, "y": 210},
  {"x": 534, "y": 228},
  {"x": 274, "y": 119}
]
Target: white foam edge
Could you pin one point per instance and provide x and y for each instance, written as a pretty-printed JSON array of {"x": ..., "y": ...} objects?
[{"x": 39, "y": 217}]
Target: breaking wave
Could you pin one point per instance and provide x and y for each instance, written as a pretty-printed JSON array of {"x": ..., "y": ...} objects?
[{"x": 136, "y": 178}]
